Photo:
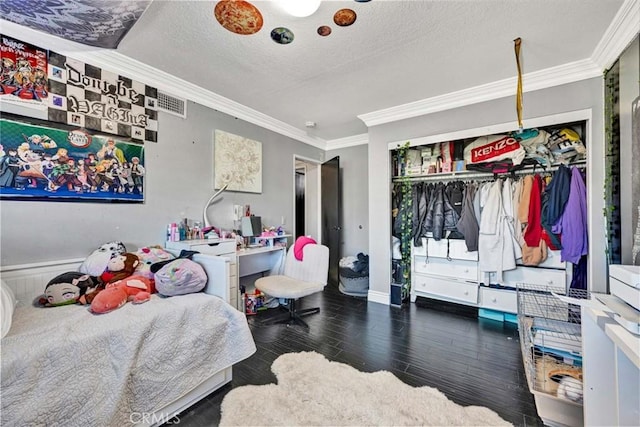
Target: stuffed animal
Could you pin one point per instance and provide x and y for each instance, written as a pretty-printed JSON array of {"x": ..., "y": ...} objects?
[
  {"x": 96, "y": 263},
  {"x": 120, "y": 267},
  {"x": 180, "y": 276},
  {"x": 150, "y": 255},
  {"x": 68, "y": 288},
  {"x": 136, "y": 289}
]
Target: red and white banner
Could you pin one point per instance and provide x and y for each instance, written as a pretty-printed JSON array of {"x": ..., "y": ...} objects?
[{"x": 494, "y": 148}]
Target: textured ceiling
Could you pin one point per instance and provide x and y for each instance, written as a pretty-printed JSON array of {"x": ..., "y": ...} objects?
[{"x": 395, "y": 53}]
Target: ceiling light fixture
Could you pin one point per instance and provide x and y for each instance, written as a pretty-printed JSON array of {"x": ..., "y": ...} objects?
[{"x": 299, "y": 8}]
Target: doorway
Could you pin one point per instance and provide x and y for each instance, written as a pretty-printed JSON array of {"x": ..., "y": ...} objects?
[
  {"x": 317, "y": 206},
  {"x": 306, "y": 198}
]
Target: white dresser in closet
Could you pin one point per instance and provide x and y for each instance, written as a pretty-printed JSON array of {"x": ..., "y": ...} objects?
[{"x": 445, "y": 270}]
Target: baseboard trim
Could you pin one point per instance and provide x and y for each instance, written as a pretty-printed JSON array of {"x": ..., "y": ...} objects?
[{"x": 378, "y": 297}]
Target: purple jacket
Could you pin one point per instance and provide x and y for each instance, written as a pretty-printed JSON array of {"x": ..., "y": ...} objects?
[{"x": 573, "y": 222}]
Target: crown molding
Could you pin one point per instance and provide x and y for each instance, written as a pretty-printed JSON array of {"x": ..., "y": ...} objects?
[
  {"x": 123, "y": 65},
  {"x": 349, "y": 141},
  {"x": 549, "y": 77},
  {"x": 622, "y": 30},
  {"x": 617, "y": 37}
]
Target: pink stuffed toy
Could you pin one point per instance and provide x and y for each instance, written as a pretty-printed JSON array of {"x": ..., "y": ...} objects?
[
  {"x": 137, "y": 289},
  {"x": 148, "y": 256}
]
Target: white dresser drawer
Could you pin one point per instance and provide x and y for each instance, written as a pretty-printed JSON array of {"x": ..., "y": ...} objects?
[
  {"x": 221, "y": 247},
  {"x": 454, "y": 269},
  {"x": 539, "y": 278},
  {"x": 454, "y": 249},
  {"x": 553, "y": 260},
  {"x": 420, "y": 250},
  {"x": 443, "y": 288},
  {"x": 458, "y": 250},
  {"x": 499, "y": 299}
]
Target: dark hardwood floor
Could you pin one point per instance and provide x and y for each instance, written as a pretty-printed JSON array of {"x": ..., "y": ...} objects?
[{"x": 472, "y": 361}]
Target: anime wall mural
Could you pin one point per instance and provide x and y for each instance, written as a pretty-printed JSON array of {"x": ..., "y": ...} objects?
[{"x": 63, "y": 163}]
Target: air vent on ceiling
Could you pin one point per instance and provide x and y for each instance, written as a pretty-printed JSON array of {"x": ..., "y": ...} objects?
[{"x": 172, "y": 105}]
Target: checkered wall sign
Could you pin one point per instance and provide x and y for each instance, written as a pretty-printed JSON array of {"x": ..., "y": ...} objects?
[{"x": 90, "y": 97}]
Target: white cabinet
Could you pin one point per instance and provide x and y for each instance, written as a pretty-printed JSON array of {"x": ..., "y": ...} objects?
[
  {"x": 611, "y": 371},
  {"x": 444, "y": 270},
  {"x": 225, "y": 248}
]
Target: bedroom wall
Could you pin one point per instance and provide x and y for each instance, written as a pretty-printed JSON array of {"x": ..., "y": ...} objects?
[
  {"x": 179, "y": 181},
  {"x": 354, "y": 173},
  {"x": 586, "y": 94}
]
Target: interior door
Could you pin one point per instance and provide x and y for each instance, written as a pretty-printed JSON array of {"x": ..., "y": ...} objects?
[{"x": 331, "y": 190}]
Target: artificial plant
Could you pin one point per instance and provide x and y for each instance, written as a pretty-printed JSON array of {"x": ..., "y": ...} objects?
[{"x": 405, "y": 218}]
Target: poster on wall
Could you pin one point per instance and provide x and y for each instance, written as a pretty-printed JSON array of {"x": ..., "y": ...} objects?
[
  {"x": 51, "y": 162},
  {"x": 87, "y": 96},
  {"x": 23, "y": 78}
]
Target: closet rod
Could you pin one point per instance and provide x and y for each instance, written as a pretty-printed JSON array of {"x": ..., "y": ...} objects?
[{"x": 464, "y": 175}]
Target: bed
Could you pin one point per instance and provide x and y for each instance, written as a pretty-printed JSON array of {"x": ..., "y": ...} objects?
[{"x": 140, "y": 364}]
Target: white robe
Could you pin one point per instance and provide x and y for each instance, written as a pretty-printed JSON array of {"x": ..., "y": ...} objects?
[{"x": 495, "y": 242}]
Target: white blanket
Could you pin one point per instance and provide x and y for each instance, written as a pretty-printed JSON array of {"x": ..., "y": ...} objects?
[{"x": 67, "y": 366}]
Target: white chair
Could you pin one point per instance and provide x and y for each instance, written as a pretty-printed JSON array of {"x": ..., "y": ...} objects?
[{"x": 300, "y": 278}]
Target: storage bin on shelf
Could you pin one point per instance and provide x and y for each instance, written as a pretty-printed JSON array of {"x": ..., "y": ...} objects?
[{"x": 551, "y": 343}]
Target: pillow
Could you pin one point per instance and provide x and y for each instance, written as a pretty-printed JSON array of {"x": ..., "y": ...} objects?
[
  {"x": 96, "y": 262},
  {"x": 179, "y": 277},
  {"x": 7, "y": 305}
]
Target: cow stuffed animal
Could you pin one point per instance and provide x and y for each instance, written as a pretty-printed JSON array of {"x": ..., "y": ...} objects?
[
  {"x": 96, "y": 262},
  {"x": 136, "y": 289}
]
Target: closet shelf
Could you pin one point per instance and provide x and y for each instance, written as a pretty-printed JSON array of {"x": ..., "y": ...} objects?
[{"x": 469, "y": 174}]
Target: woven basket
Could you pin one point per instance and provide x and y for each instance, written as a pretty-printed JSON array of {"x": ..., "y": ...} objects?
[{"x": 357, "y": 286}]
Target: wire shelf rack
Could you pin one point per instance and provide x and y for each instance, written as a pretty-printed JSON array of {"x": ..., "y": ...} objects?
[{"x": 551, "y": 342}]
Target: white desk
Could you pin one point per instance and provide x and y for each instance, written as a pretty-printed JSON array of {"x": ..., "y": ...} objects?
[
  {"x": 260, "y": 260},
  {"x": 242, "y": 263}
]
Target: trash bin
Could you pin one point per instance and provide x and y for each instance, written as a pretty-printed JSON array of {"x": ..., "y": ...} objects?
[{"x": 354, "y": 275}]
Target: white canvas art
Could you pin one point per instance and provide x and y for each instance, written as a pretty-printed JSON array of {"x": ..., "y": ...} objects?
[{"x": 237, "y": 162}]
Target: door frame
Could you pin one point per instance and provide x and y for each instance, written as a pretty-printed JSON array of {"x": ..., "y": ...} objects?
[{"x": 317, "y": 163}]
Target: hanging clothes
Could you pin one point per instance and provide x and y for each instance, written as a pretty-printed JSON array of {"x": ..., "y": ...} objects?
[
  {"x": 468, "y": 224},
  {"x": 454, "y": 191},
  {"x": 525, "y": 196},
  {"x": 419, "y": 206},
  {"x": 579, "y": 276},
  {"x": 516, "y": 190},
  {"x": 441, "y": 216},
  {"x": 396, "y": 202},
  {"x": 533, "y": 232},
  {"x": 509, "y": 213},
  {"x": 554, "y": 200},
  {"x": 495, "y": 247},
  {"x": 534, "y": 250},
  {"x": 573, "y": 222}
]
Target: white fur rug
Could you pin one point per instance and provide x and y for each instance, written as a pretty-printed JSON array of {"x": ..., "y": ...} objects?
[{"x": 313, "y": 391}]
